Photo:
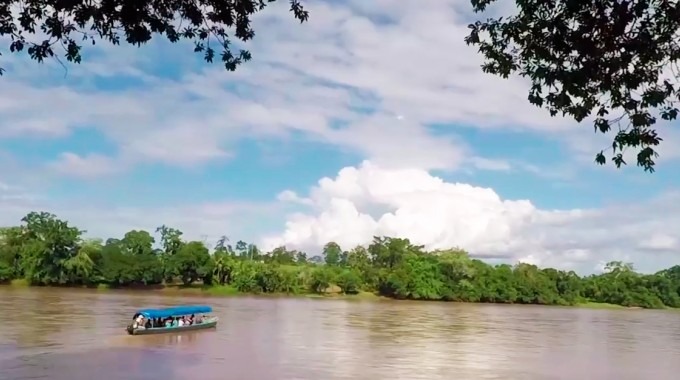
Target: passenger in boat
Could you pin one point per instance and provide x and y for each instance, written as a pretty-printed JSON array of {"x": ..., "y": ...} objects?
[
  {"x": 148, "y": 324},
  {"x": 138, "y": 322},
  {"x": 180, "y": 322}
]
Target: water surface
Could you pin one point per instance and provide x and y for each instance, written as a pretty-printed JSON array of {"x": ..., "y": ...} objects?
[{"x": 62, "y": 334}]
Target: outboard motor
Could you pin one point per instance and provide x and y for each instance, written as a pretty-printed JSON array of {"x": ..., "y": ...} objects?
[{"x": 130, "y": 329}]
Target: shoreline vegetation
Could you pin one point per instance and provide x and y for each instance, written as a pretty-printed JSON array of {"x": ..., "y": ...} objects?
[
  {"x": 47, "y": 251},
  {"x": 222, "y": 291}
]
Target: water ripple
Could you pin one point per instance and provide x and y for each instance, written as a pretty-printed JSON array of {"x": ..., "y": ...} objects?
[{"x": 72, "y": 334}]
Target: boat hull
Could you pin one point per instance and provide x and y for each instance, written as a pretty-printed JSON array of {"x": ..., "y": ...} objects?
[{"x": 169, "y": 330}]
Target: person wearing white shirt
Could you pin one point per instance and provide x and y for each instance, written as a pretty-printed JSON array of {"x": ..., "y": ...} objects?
[{"x": 139, "y": 322}]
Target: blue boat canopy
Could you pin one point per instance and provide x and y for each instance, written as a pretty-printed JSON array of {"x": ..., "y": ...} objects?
[{"x": 174, "y": 311}]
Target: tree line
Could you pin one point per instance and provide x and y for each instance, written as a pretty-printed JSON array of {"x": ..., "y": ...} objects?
[{"x": 47, "y": 251}]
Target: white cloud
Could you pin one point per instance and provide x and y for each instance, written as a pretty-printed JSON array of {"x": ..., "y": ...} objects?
[
  {"x": 383, "y": 71},
  {"x": 660, "y": 242},
  {"x": 490, "y": 164},
  {"x": 291, "y": 196},
  {"x": 342, "y": 79},
  {"x": 415, "y": 61},
  {"x": 11, "y": 195},
  {"x": 370, "y": 200},
  {"x": 89, "y": 166}
]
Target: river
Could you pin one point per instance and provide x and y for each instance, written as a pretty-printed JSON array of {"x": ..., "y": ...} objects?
[{"x": 61, "y": 334}]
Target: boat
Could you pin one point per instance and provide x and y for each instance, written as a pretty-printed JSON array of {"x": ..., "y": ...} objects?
[{"x": 207, "y": 322}]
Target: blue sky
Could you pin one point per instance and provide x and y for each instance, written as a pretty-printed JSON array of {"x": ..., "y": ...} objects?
[{"x": 411, "y": 138}]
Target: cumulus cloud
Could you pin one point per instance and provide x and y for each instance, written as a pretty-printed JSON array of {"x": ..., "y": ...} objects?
[{"x": 370, "y": 200}]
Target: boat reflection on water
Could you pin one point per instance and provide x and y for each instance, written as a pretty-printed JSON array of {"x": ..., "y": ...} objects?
[
  {"x": 185, "y": 341},
  {"x": 179, "y": 338}
]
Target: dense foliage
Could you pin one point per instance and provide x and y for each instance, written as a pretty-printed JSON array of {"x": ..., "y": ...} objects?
[
  {"x": 53, "y": 28},
  {"x": 45, "y": 250},
  {"x": 614, "y": 60}
]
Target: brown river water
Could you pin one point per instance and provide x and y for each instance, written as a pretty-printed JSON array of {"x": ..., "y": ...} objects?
[{"x": 79, "y": 334}]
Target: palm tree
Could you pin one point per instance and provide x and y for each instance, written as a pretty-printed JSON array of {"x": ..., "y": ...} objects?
[{"x": 223, "y": 268}]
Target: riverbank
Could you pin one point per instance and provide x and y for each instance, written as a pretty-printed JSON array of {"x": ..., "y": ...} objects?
[
  {"x": 208, "y": 291},
  {"x": 332, "y": 293},
  {"x": 230, "y": 291}
]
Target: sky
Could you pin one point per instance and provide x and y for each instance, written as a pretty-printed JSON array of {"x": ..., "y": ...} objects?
[{"x": 373, "y": 118}]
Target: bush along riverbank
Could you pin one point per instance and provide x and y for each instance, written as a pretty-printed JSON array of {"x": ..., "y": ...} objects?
[{"x": 45, "y": 250}]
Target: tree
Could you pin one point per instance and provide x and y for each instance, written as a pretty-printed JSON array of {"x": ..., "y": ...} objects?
[
  {"x": 6, "y": 272},
  {"x": 48, "y": 245},
  {"x": 388, "y": 252},
  {"x": 332, "y": 253},
  {"x": 301, "y": 258},
  {"x": 281, "y": 255},
  {"x": 253, "y": 252},
  {"x": 241, "y": 248},
  {"x": 11, "y": 242},
  {"x": 79, "y": 268},
  {"x": 171, "y": 239},
  {"x": 131, "y": 260},
  {"x": 320, "y": 279},
  {"x": 358, "y": 259},
  {"x": 212, "y": 26},
  {"x": 349, "y": 281},
  {"x": 138, "y": 242},
  {"x": 610, "y": 59},
  {"x": 116, "y": 267},
  {"x": 50, "y": 252},
  {"x": 190, "y": 262},
  {"x": 224, "y": 246},
  {"x": 223, "y": 266},
  {"x": 93, "y": 249},
  {"x": 147, "y": 267}
]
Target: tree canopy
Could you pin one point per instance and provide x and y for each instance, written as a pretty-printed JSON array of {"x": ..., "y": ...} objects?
[
  {"x": 45, "y": 250},
  {"x": 59, "y": 28},
  {"x": 613, "y": 60}
]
